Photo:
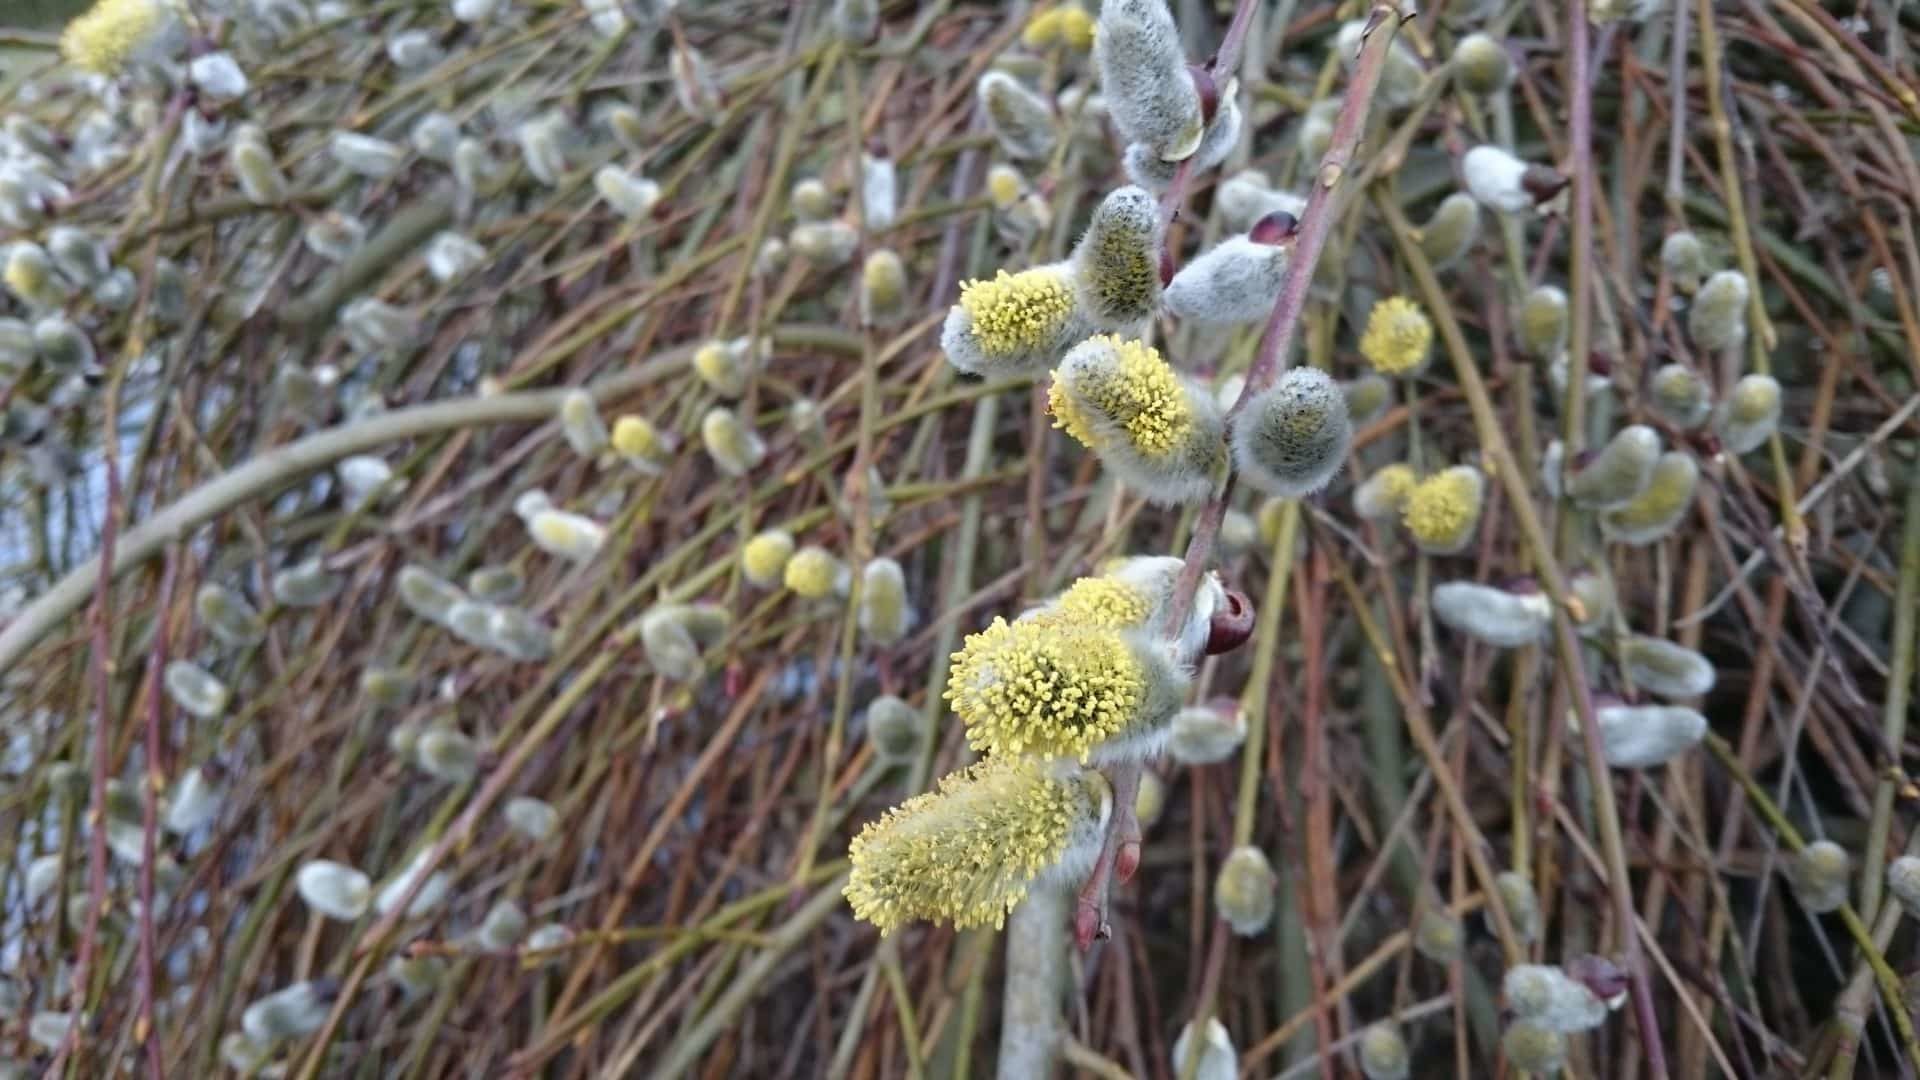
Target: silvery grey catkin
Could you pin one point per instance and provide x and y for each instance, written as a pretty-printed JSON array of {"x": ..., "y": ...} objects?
[
  {"x": 1501, "y": 617},
  {"x": 1293, "y": 437},
  {"x": 1618, "y": 472},
  {"x": 1450, "y": 233},
  {"x": 1234, "y": 282},
  {"x": 1820, "y": 875},
  {"x": 1665, "y": 668},
  {"x": 1718, "y": 318},
  {"x": 1116, "y": 264},
  {"x": 1680, "y": 396},
  {"x": 1021, "y": 121},
  {"x": 1751, "y": 413},
  {"x": 1244, "y": 890},
  {"x": 1143, "y": 74}
]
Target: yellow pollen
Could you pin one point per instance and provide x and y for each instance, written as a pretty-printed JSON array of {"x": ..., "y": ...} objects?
[
  {"x": 1104, "y": 602},
  {"x": 813, "y": 573},
  {"x": 1016, "y": 313},
  {"x": 1397, "y": 337},
  {"x": 110, "y": 33},
  {"x": 1442, "y": 509},
  {"x": 1039, "y": 686},
  {"x": 1136, "y": 390}
]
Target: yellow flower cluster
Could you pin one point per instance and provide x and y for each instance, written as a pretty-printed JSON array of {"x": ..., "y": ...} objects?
[
  {"x": 1017, "y": 313},
  {"x": 639, "y": 441},
  {"x": 969, "y": 852},
  {"x": 1137, "y": 392},
  {"x": 110, "y": 33},
  {"x": 763, "y": 559},
  {"x": 1442, "y": 510},
  {"x": 1045, "y": 687},
  {"x": 1066, "y": 24},
  {"x": 1397, "y": 337},
  {"x": 1104, "y": 602},
  {"x": 813, "y": 573}
]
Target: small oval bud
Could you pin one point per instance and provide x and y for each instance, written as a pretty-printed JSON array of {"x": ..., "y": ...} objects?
[
  {"x": 334, "y": 235},
  {"x": 693, "y": 83},
  {"x": 1618, "y": 473},
  {"x": 666, "y": 637},
  {"x": 1534, "y": 1049},
  {"x": 1207, "y": 734},
  {"x": 435, "y": 135},
  {"x": 365, "y": 155},
  {"x": 1217, "y": 1058},
  {"x": 475, "y": 169},
  {"x": 386, "y": 685},
  {"x": 1450, "y": 233},
  {"x": 723, "y": 368},
  {"x": 1684, "y": 258},
  {"x": 452, "y": 255},
  {"x": 1751, "y": 413},
  {"x": 883, "y": 288},
  {"x": 632, "y": 197},
  {"x": 260, "y": 177},
  {"x": 1238, "y": 533},
  {"x": 1501, "y": 181},
  {"x": 548, "y": 937},
  {"x": 1591, "y": 599},
  {"x": 1681, "y": 397},
  {"x": 1383, "y": 1053},
  {"x": 532, "y": 818},
  {"x": 1508, "y": 619},
  {"x": 1116, "y": 264},
  {"x": 62, "y": 345},
  {"x": 502, "y": 928},
  {"x": 763, "y": 558},
  {"x": 734, "y": 448},
  {"x": 1542, "y": 326},
  {"x": 1243, "y": 892},
  {"x": 1481, "y": 64},
  {"x": 495, "y": 584},
  {"x": 879, "y": 191},
  {"x": 885, "y": 612},
  {"x": 195, "y": 802},
  {"x": 1665, "y": 668},
  {"x": 1903, "y": 882},
  {"x": 1143, "y": 74},
  {"x": 1642, "y": 736},
  {"x": 1718, "y": 318},
  {"x": 78, "y": 254},
  {"x": 1401, "y": 76},
  {"x": 334, "y": 890},
  {"x": 1522, "y": 904},
  {"x": 581, "y": 424},
  {"x": 1439, "y": 936},
  {"x": 824, "y": 243},
  {"x": 642, "y": 445},
  {"x": 898, "y": 731},
  {"x": 373, "y": 325},
  {"x": 446, "y": 754},
  {"x": 289, "y": 1013},
  {"x": 432, "y": 893},
  {"x": 1819, "y": 874},
  {"x": 1234, "y": 282},
  {"x": 196, "y": 691},
  {"x": 516, "y": 633},
  {"x": 365, "y": 478},
  {"x": 305, "y": 584},
  {"x": 411, "y": 50},
  {"x": 1248, "y": 196},
  {"x": 427, "y": 594},
  {"x": 1398, "y": 338},
  {"x": 1295, "y": 435},
  {"x": 228, "y": 616},
  {"x": 810, "y": 199},
  {"x": 1549, "y": 998},
  {"x": 815, "y": 574}
]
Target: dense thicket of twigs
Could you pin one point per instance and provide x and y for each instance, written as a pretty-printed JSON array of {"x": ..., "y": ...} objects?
[{"x": 703, "y": 826}]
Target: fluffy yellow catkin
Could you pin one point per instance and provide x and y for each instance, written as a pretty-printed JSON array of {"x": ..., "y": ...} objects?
[
  {"x": 1013, "y": 324},
  {"x": 1122, "y": 400},
  {"x": 969, "y": 852},
  {"x": 1398, "y": 337},
  {"x": 1443, "y": 510},
  {"x": 112, "y": 32},
  {"x": 1043, "y": 687}
]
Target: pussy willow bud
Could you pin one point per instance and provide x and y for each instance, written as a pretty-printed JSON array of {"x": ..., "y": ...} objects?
[
  {"x": 1506, "y": 618},
  {"x": 542, "y": 141},
  {"x": 1505, "y": 183},
  {"x": 386, "y": 686},
  {"x": 1206, "y": 734},
  {"x": 1534, "y": 1049},
  {"x": 1005, "y": 186},
  {"x": 475, "y": 169},
  {"x": 1819, "y": 874},
  {"x": 63, "y": 346},
  {"x": 365, "y": 155},
  {"x": 1383, "y": 495},
  {"x": 411, "y": 50},
  {"x": 289, "y": 1013},
  {"x": 1664, "y": 668},
  {"x": 1603, "y": 12},
  {"x": 824, "y": 243},
  {"x": 1522, "y": 904},
  {"x": 628, "y": 127},
  {"x": 694, "y": 86},
  {"x": 1549, "y": 998},
  {"x": 1684, "y": 258},
  {"x": 1592, "y": 599},
  {"x": 568, "y": 535},
  {"x": 1244, "y": 890},
  {"x": 734, "y": 448},
  {"x": 1160, "y": 434},
  {"x": 1450, "y": 233},
  {"x": 1903, "y": 881},
  {"x": 1383, "y": 1053},
  {"x": 885, "y": 612},
  {"x": 117, "y": 290},
  {"x": 196, "y": 691},
  {"x": 432, "y": 893},
  {"x": 518, "y": 634},
  {"x": 1143, "y": 74},
  {"x": 642, "y": 445},
  {"x": 810, "y": 199},
  {"x": 1541, "y": 328},
  {"x": 446, "y": 754},
  {"x": 364, "y": 478},
  {"x": 763, "y": 558},
  {"x": 532, "y": 818},
  {"x": 428, "y": 595},
  {"x": 252, "y": 163},
  {"x": 452, "y": 255},
  {"x": 1248, "y": 195},
  {"x": 1660, "y": 507},
  {"x": 1015, "y": 324},
  {"x": 1751, "y": 413},
  {"x": 969, "y": 852},
  {"x": 334, "y": 235},
  {"x": 1059, "y": 690},
  {"x": 607, "y": 17},
  {"x": 305, "y": 584},
  {"x": 1217, "y": 1058},
  {"x": 674, "y": 635},
  {"x": 726, "y": 366},
  {"x": 1065, "y": 24},
  {"x": 1398, "y": 338},
  {"x": 16, "y": 346},
  {"x": 1235, "y": 281},
  {"x": 416, "y": 976},
  {"x": 1439, "y": 936},
  {"x": 1295, "y": 435},
  {"x": 373, "y": 325},
  {"x": 883, "y": 288},
  {"x": 1401, "y": 76},
  {"x": 1367, "y": 397},
  {"x": 1680, "y": 396},
  {"x": 334, "y": 890},
  {"x": 194, "y": 803},
  {"x": 1145, "y": 166},
  {"x": 1116, "y": 264},
  {"x": 30, "y": 275},
  {"x": 1481, "y": 64},
  {"x": 879, "y": 191},
  {"x": 78, "y": 254},
  {"x": 897, "y": 730},
  {"x": 503, "y": 927},
  {"x": 1618, "y": 473},
  {"x": 1021, "y": 121},
  {"x": 1139, "y": 593},
  {"x": 814, "y": 574},
  {"x": 228, "y": 616},
  {"x": 435, "y": 135},
  {"x": 1718, "y": 318},
  {"x": 1314, "y": 133},
  {"x": 1642, "y": 736}
]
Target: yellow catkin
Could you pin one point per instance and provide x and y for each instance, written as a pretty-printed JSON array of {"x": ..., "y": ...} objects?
[
  {"x": 813, "y": 572},
  {"x": 1397, "y": 337},
  {"x": 1015, "y": 313},
  {"x": 968, "y": 852},
  {"x": 634, "y": 437},
  {"x": 1442, "y": 510},
  {"x": 763, "y": 559},
  {"x": 1393, "y": 483},
  {"x": 1043, "y": 687},
  {"x": 1005, "y": 186},
  {"x": 1076, "y": 28},
  {"x": 1043, "y": 29},
  {"x": 1139, "y": 393},
  {"x": 103, "y": 39},
  {"x": 1104, "y": 602}
]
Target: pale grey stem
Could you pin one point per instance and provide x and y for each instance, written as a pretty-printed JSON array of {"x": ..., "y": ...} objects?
[{"x": 1031, "y": 1029}]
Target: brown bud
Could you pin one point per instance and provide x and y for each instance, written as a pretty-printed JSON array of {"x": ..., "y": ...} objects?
[
  {"x": 1208, "y": 89},
  {"x": 1232, "y": 624},
  {"x": 1542, "y": 183},
  {"x": 1278, "y": 227}
]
